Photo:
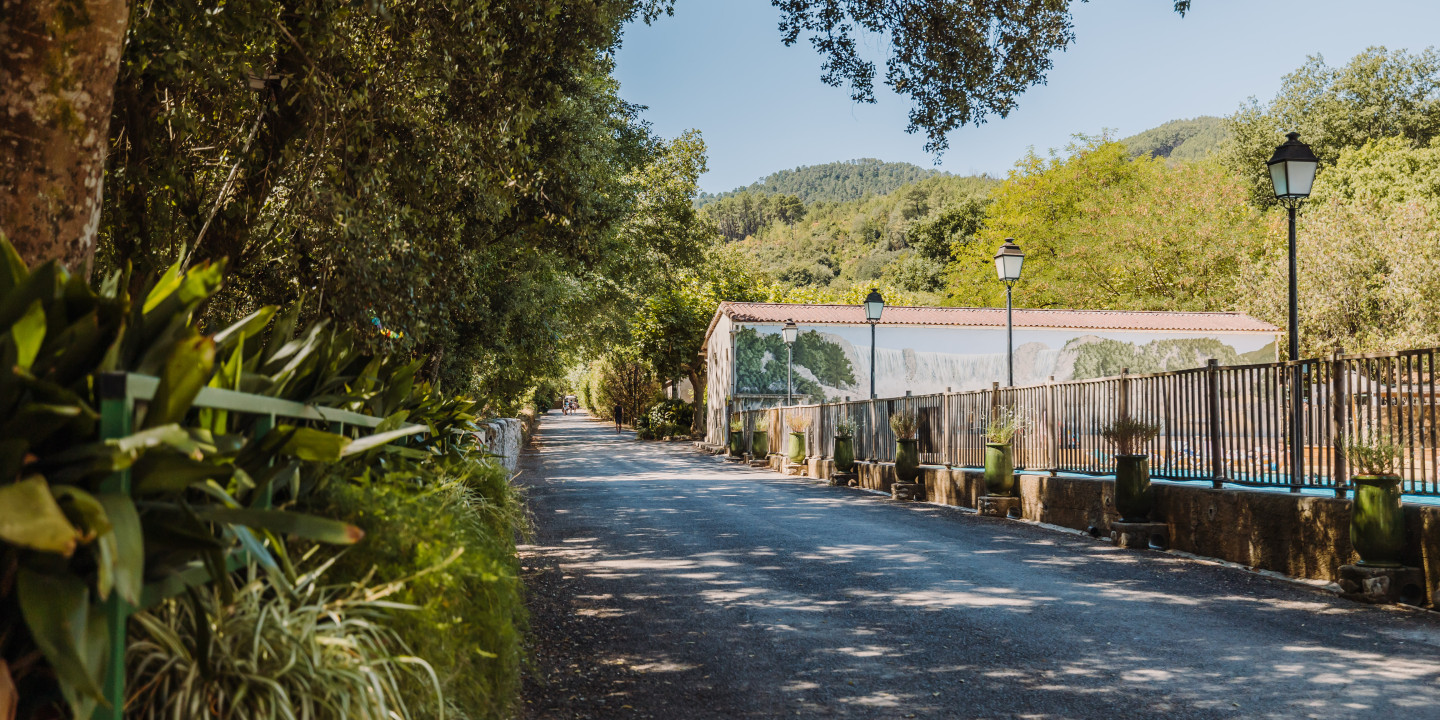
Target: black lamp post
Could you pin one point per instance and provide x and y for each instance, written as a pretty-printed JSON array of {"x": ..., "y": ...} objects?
[
  {"x": 1008, "y": 262},
  {"x": 789, "y": 332},
  {"x": 1292, "y": 173},
  {"x": 874, "y": 304}
]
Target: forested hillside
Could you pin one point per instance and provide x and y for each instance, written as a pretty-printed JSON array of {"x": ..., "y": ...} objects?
[
  {"x": 902, "y": 240},
  {"x": 1192, "y": 139},
  {"x": 832, "y": 182}
]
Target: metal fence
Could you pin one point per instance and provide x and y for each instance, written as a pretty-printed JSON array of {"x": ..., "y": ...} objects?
[{"x": 1218, "y": 423}]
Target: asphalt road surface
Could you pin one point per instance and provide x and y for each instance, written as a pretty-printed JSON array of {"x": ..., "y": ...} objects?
[{"x": 670, "y": 584}]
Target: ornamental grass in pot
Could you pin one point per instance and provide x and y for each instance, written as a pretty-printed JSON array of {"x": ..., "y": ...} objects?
[
  {"x": 760, "y": 438},
  {"x": 999, "y": 452},
  {"x": 907, "y": 448},
  {"x": 845, "y": 445},
  {"x": 1133, "y": 498},
  {"x": 737, "y": 438},
  {"x": 796, "y": 450},
  {"x": 1377, "y": 522}
]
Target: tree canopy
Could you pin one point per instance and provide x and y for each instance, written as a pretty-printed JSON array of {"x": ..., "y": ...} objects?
[{"x": 960, "y": 61}]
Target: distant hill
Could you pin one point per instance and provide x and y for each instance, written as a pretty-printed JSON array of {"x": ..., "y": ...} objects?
[
  {"x": 832, "y": 182},
  {"x": 1192, "y": 139}
]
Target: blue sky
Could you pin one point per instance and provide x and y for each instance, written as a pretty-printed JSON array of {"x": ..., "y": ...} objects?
[{"x": 718, "y": 66}]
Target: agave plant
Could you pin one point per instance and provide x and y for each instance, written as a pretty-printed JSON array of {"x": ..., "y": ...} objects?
[{"x": 73, "y": 534}]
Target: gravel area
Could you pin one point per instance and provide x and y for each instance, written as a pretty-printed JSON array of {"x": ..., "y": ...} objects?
[{"x": 669, "y": 584}]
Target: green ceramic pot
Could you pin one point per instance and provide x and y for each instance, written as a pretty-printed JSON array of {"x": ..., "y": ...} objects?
[
  {"x": 737, "y": 443},
  {"x": 760, "y": 443},
  {"x": 796, "y": 451},
  {"x": 1132, "y": 488},
  {"x": 1377, "y": 524},
  {"x": 999, "y": 470},
  {"x": 907, "y": 460},
  {"x": 844, "y": 454}
]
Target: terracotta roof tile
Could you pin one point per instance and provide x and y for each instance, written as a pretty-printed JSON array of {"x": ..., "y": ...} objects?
[{"x": 995, "y": 317}]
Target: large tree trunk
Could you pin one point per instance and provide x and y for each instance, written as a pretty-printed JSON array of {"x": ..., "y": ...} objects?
[
  {"x": 697, "y": 401},
  {"x": 58, "y": 62}
]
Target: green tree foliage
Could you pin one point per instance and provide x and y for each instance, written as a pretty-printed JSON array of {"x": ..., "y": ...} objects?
[
  {"x": 960, "y": 62},
  {"x": 1101, "y": 230},
  {"x": 739, "y": 216},
  {"x": 1389, "y": 170},
  {"x": 1378, "y": 94},
  {"x": 1193, "y": 139},
  {"x": 669, "y": 328},
  {"x": 832, "y": 182},
  {"x": 1366, "y": 271},
  {"x": 457, "y": 174}
]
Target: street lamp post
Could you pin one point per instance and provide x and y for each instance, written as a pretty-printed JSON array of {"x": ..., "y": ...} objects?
[
  {"x": 789, "y": 332},
  {"x": 1292, "y": 173},
  {"x": 1008, "y": 262},
  {"x": 874, "y": 304}
]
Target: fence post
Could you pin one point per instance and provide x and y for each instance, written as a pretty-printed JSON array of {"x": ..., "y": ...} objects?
[
  {"x": 1212, "y": 397},
  {"x": 1124, "y": 404},
  {"x": 994, "y": 399},
  {"x": 1054, "y": 423},
  {"x": 1339, "y": 404},
  {"x": 117, "y": 416}
]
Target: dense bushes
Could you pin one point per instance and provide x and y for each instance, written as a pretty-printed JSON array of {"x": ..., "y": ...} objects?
[
  {"x": 206, "y": 484},
  {"x": 667, "y": 417},
  {"x": 445, "y": 527}
]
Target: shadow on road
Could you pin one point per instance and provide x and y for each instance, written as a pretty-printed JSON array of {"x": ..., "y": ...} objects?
[{"x": 739, "y": 593}]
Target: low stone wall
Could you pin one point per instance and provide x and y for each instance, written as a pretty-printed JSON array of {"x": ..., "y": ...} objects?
[
  {"x": 503, "y": 437},
  {"x": 1303, "y": 536}
]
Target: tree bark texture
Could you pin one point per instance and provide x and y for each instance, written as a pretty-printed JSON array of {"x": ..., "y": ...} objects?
[{"x": 58, "y": 63}]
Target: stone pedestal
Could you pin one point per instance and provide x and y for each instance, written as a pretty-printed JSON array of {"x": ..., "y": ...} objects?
[
  {"x": 1140, "y": 536},
  {"x": 1382, "y": 585},
  {"x": 906, "y": 491},
  {"x": 760, "y": 462},
  {"x": 844, "y": 479},
  {"x": 797, "y": 469},
  {"x": 997, "y": 505}
]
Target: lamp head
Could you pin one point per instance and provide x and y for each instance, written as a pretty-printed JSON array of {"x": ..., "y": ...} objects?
[
  {"x": 874, "y": 304},
  {"x": 1292, "y": 169},
  {"x": 1008, "y": 261},
  {"x": 789, "y": 332}
]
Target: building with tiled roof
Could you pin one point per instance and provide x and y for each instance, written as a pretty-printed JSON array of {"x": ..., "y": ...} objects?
[{"x": 935, "y": 349}]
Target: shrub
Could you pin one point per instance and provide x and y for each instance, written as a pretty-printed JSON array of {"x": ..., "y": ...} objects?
[
  {"x": 307, "y": 651},
  {"x": 673, "y": 412},
  {"x": 845, "y": 427},
  {"x": 799, "y": 423},
  {"x": 469, "y": 613}
]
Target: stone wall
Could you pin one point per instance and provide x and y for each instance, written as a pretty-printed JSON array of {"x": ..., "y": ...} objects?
[
  {"x": 1303, "y": 536},
  {"x": 503, "y": 438}
]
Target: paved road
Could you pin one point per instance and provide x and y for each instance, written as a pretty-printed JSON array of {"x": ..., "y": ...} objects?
[{"x": 669, "y": 584}]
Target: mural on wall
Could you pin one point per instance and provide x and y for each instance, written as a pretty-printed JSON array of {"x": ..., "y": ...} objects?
[
  {"x": 834, "y": 362},
  {"x": 819, "y": 362}
]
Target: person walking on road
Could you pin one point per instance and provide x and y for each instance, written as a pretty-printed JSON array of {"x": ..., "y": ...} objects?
[{"x": 619, "y": 416}]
